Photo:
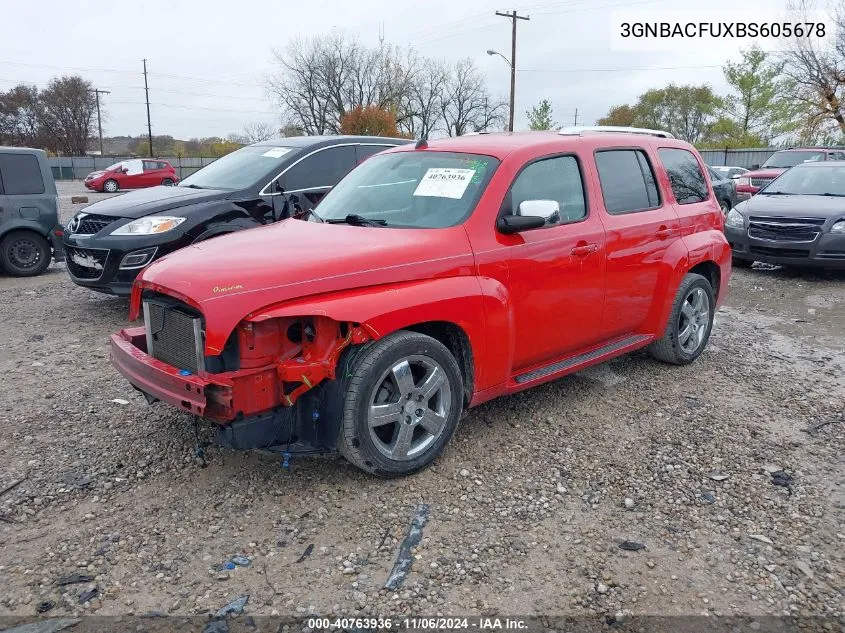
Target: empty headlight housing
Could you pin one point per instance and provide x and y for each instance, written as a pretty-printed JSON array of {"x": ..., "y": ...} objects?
[{"x": 149, "y": 226}]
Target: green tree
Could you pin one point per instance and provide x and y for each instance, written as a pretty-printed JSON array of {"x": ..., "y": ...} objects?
[
  {"x": 540, "y": 116},
  {"x": 622, "y": 115},
  {"x": 758, "y": 106}
]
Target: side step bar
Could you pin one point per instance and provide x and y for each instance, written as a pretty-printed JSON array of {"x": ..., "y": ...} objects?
[{"x": 581, "y": 358}]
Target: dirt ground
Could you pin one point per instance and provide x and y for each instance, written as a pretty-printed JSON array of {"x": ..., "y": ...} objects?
[{"x": 528, "y": 507}]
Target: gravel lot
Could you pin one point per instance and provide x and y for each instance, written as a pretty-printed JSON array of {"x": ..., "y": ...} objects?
[{"x": 528, "y": 506}]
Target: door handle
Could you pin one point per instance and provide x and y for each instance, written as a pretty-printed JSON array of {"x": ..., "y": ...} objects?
[
  {"x": 582, "y": 250},
  {"x": 665, "y": 232}
]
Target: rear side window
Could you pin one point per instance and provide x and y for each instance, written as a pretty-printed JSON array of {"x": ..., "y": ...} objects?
[
  {"x": 320, "y": 170},
  {"x": 162, "y": 165},
  {"x": 21, "y": 174},
  {"x": 685, "y": 175},
  {"x": 627, "y": 181},
  {"x": 557, "y": 179},
  {"x": 365, "y": 151}
]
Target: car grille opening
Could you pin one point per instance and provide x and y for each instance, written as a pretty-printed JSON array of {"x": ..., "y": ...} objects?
[
  {"x": 777, "y": 229},
  {"x": 86, "y": 263},
  {"x": 174, "y": 335},
  {"x": 91, "y": 224},
  {"x": 779, "y": 252},
  {"x": 760, "y": 182}
]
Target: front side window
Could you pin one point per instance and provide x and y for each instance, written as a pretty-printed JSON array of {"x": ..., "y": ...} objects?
[
  {"x": 320, "y": 170},
  {"x": 557, "y": 179},
  {"x": 685, "y": 175},
  {"x": 242, "y": 168},
  {"x": 21, "y": 174},
  {"x": 627, "y": 181},
  {"x": 411, "y": 189}
]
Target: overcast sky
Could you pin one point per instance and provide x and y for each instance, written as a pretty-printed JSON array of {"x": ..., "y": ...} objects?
[{"x": 207, "y": 60}]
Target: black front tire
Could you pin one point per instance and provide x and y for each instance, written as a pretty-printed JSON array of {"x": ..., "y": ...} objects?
[
  {"x": 24, "y": 254},
  {"x": 167, "y": 182},
  {"x": 669, "y": 348},
  {"x": 362, "y": 368}
]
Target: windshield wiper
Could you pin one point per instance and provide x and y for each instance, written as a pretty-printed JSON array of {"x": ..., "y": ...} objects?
[
  {"x": 193, "y": 187},
  {"x": 827, "y": 193},
  {"x": 775, "y": 193},
  {"x": 357, "y": 220}
]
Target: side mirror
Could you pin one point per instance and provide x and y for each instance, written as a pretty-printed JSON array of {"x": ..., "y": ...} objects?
[
  {"x": 515, "y": 223},
  {"x": 549, "y": 210}
]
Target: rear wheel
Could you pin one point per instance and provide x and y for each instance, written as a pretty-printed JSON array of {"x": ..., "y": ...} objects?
[
  {"x": 403, "y": 398},
  {"x": 167, "y": 182},
  {"x": 689, "y": 324},
  {"x": 24, "y": 254},
  {"x": 110, "y": 186}
]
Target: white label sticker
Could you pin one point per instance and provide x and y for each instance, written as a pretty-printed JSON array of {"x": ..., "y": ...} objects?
[
  {"x": 276, "y": 152},
  {"x": 444, "y": 182}
]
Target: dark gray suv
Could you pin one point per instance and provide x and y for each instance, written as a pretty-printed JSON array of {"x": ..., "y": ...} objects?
[{"x": 30, "y": 233}]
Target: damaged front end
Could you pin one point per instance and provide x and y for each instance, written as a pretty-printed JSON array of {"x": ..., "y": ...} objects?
[{"x": 272, "y": 385}]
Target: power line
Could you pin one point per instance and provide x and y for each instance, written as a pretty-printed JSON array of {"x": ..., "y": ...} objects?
[{"x": 611, "y": 70}]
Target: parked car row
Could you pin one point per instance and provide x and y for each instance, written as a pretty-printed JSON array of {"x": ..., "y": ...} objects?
[{"x": 370, "y": 304}]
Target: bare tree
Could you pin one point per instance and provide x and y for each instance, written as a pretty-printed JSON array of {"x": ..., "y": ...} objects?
[
  {"x": 422, "y": 103},
  {"x": 259, "y": 131},
  {"x": 67, "y": 114},
  {"x": 322, "y": 78},
  {"x": 20, "y": 117},
  {"x": 466, "y": 105},
  {"x": 815, "y": 72}
]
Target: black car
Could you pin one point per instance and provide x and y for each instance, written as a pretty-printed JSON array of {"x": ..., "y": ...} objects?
[
  {"x": 112, "y": 240},
  {"x": 724, "y": 188},
  {"x": 798, "y": 219}
]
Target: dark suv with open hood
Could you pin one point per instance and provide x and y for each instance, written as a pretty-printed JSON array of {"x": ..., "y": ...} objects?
[{"x": 112, "y": 240}]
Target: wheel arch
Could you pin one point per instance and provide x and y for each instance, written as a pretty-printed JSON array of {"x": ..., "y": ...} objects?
[
  {"x": 455, "y": 339},
  {"x": 23, "y": 225}
]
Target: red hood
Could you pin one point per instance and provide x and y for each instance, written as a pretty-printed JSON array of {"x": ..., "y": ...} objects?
[
  {"x": 764, "y": 173},
  {"x": 229, "y": 277}
]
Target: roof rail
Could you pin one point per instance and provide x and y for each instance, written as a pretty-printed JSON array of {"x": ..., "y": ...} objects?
[{"x": 581, "y": 130}]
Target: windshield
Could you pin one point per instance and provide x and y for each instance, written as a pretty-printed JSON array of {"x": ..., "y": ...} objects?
[
  {"x": 240, "y": 169},
  {"x": 411, "y": 189},
  {"x": 110, "y": 167},
  {"x": 790, "y": 159},
  {"x": 806, "y": 180}
]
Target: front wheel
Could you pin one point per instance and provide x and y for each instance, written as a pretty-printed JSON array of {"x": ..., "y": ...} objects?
[
  {"x": 167, "y": 182},
  {"x": 110, "y": 186},
  {"x": 402, "y": 403},
  {"x": 689, "y": 324},
  {"x": 24, "y": 254}
]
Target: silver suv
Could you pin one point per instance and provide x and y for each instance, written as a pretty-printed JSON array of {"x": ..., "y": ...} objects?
[{"x": 30, "y": 233}]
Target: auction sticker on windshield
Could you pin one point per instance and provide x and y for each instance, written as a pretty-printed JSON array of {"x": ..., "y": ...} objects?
[{"x": 444, "y": 182}]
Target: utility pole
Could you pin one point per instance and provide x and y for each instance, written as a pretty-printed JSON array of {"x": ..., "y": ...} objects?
[
  {"x": 513, "y": 16},
  {"x": 149, "y": 125},
  {"x": 97, "y": 94},
  {"x": 576, "y": 118}
]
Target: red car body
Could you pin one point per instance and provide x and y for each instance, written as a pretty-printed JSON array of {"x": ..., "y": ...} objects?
[
  {"x": 136, "y": 173},
  {"x": 751, "y": 182},
  {"x": 529, "y": 307}
]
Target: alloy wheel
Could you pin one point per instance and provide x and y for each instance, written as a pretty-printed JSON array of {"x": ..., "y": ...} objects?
[
  {"x": 409, "y": 407},
  {"x": 694, "y": 320}
]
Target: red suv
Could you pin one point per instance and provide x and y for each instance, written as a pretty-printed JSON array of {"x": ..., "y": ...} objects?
[
  {"x": 432, "y": 278},
  {"x": 135, "y": 173},
  {"x": 751, "y": 182}
]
